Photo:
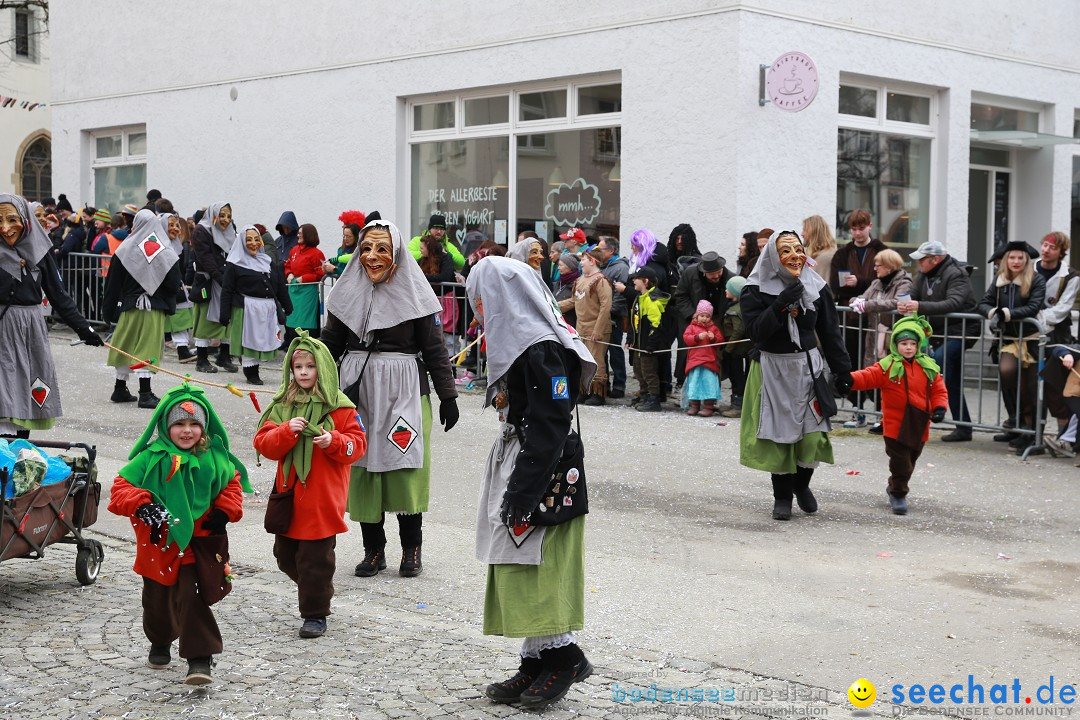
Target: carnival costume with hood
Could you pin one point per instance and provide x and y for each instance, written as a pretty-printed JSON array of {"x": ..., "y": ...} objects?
[
  {"x": 786, "y": 317},
  {"x": 140, "y": 292},
  {"x": 30, "y": 393},
  {"x": 318, "y": 478},
  {"x": 211, "y": 245},
  {"x": 535, "y": 577},
  {"x": 388, "y": 338},
  {"x": 179, "y": 324}
]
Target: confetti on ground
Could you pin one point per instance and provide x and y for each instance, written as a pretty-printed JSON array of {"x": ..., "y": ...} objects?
[
  {"x": 421, "y": 606},
  {"x": 885, "y": 554},
  {"x": 854, "y": 472},
  {"x": 1003, "y": 556}
]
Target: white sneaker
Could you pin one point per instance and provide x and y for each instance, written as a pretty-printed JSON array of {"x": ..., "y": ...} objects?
[{"x": 856, "y": 422}]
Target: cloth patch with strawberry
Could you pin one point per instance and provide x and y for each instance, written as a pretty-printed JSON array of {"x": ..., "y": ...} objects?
[
  {"x": 402, "y": 435},
  {"x": 39, "y": 392},
  {"x": 150, "y": 247}
]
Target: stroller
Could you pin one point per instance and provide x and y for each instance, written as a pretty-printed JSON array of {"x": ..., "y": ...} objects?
[{"x": 55, "y": 513}]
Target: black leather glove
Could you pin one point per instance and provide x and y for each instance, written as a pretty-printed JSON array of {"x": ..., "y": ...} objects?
[
  {"x": 843, "y": 383},
  {"x": 91, "y": 338},
  {"x": 154, "y": 515},
  {"x": 510, "y": 515},
  {"x": 995, "y": 323},
  {"x": 790, "y": 295},
  {"x": 448, "y": 413},
  {"x": 215, "y": 521},
  {"x": 937, "y": 414}
]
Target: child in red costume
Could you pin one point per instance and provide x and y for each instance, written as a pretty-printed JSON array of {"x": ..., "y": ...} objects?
[
  {"x": 912, "y": 395},
  {"x": 314, "y": 433},
  {"x": 180, "y": 490},
  {"x": 702, "y": 366}
]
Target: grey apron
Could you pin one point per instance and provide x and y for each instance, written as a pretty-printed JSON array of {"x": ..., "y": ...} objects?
[
  {"x": 28, "y": 390},
  {"x": 495, "y": 543},
  {"x": 389, "y": 405},
  {"x": 260, "y": 331},
  {"x": 214, "y": 311},
  {"x": 786, "y": 391}
]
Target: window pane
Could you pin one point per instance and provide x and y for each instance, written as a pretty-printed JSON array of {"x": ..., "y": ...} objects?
[
  {"x": 574, "y": 184},
  {"x": 907, "y": 108},
  {"x": 889, "y": 175},
  {"x": 487, "y": 111},
  {"x": 986, "y": 156},
  {"x": 466, "y": 180},
  {"x": 542, "y": 105},
  {"x": 137, "y": 143},
  {"x": 22, "y": 34},
  {"x": 858, "y": 101},
  {"x": 989, "y": 117},
  {"x": 433, "y": 116},
  {"x": 600, "y": 99},
  {"x": 109, "y": 146},
  {"x": 1076, "y": 127},
  {"x": 115, "y": 187},
  {"x": 1074, "y": 230}
]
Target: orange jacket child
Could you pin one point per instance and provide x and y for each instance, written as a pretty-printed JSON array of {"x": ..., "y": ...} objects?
[
  {"x": 180, "y": 490},
  {"x": 312, "y": 429}
]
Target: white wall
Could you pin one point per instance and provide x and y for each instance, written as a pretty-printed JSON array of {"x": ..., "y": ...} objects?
[
  {"x": 25, "y": 80},
  {"x": 696, "y": 146}
]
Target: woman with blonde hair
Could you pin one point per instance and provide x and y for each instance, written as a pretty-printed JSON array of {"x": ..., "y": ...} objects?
[
  {"x": 1016, "y": 293},
  {"x": 820, "y": 244}
]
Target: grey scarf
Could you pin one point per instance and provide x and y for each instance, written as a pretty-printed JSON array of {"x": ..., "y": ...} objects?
[
  {"x": 146, "y": 252},
  {"x": 521, "y": 249},
  {"x": 224, "y": 239},
  {"x": 365, "y": 307},
  {"x": 519, "y": 311},
  {"x": 239, "y": 255},
  {"x": 31, "y": 247},
  {"x": 177, "y": 245},
  {"x": 773, "y": 278}
]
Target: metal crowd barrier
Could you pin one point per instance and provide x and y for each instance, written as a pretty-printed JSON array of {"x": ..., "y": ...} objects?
[
  {"x": 985, "y": 414},
  {"x": 83, "y": 275}
]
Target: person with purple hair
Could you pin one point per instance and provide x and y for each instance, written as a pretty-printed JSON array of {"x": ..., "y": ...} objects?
[{"x": 645, "y": 251}]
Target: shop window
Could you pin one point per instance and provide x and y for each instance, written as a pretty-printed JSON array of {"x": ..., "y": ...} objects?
[
  {"x": 433, "y": 116},
  {"x": 991, "y": 117},
  {"x": 1074, "y": 230},
  {"x": 599, "y": 99},
  {"x": 487, "y": 111},
  {"x": 119, "y": 167},
  {"x": 543, "y": 105},
  {"x": 907, "y": 108},
  {"x": 858, "y": 101}
]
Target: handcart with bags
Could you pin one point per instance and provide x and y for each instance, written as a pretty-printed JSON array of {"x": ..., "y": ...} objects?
[{"x": 56, "y": 509}]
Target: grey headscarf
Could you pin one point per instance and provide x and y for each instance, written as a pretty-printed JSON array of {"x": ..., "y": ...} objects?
[
  {"x": 365, "y": 307},
  {"x": 519, "y": 311},
  {"x": 239, "y": 255},
  {"x": 146, "y": 252},
  {"x": 31, "y": 247},
  {"x": 177, "y": 245},
  {"x": 521, "y": 249},
  {"x": 773, "y": 278},
  {"x": 224, "y": 239}
]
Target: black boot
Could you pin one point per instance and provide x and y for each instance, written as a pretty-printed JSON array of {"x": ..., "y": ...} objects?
[
  {"x": 147, "y": 398},
  {"x": 120, "y": 393},
  {"x": 781, "y": 488},
  {"x": 562, "y": 667},
  {"x": 203, "y": 362},
  {"x": 252, "y": 374},
  {"x": 224, "y": 360},
  {"x": 374, "y": 561},
  {"x": 649, "y": 403},
  {"x": 410, "y": 562},
  {"x": 509, "y": 691},
  {"x": 805, "y": 498},
  {"x": 183, "y": 354}
]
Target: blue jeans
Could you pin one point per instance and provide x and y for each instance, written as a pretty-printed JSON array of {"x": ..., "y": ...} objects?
[
  {"x": 616, "y": 356},
  {"x": 950, "y": 356}
]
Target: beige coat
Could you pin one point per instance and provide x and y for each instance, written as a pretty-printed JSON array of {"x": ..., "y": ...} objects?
[
  {"x": 879, "y": 317},
  {"x": 591, "y": 302}
]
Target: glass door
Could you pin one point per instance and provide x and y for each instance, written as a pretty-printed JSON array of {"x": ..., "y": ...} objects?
[{"x": 989, "y": 211}]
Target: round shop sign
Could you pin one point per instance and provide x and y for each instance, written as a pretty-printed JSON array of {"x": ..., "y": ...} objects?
[{"x": 792, "y": 83}]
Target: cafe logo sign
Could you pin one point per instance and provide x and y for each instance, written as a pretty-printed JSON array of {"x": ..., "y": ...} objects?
[
  {"x": 792, "y": 82},
  {"x": 573, "y": 205}
]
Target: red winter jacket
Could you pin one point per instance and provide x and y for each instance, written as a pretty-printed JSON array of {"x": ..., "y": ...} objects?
[
  {"x": 305, "y": 263},
  {"x": 161, "y": 563},
  {"x": 893, "y": 399},
  {"x": 318, "y": 505},
  {"x": 705, "y": 356}
]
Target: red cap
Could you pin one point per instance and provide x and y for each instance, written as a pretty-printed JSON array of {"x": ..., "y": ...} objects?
[{"x": 574, "y": 234}]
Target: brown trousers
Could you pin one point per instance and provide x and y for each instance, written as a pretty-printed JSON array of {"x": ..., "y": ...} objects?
[
  {"x": 902, "y": 461},
  {"x": 310, "y": 564},
  {"x": 177, "y": 611},
  {"x": 647, "y": 372}
]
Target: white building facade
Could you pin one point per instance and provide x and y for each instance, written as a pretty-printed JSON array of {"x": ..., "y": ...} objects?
[
  {"x": 948, "y": 121},
  {"x": 25, "y": 118}
]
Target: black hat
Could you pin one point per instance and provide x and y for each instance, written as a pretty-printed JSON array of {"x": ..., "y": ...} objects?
[
  {"x": 153, "y": 195},
  {"x": 645, "y": 273},
  {"x": 1014, "y": 245},
  {"x": 437, "y": 221},
  {"x": 63, "y": 204},
  {"x": 373, "y": 215},
  {"x": 49, "y": 202},
  {"x": 711, "y": 262},
  {"x": 198, "y": 215}
]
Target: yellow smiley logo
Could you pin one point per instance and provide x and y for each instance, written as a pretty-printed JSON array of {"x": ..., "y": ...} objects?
[{"x": 862, "y": 693}]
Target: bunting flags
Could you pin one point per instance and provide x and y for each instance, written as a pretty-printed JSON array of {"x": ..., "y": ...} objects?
[{"x": 11, "y": 102}]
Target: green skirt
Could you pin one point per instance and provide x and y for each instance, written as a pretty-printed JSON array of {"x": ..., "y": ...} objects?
[
  {"x": 205, "y": 329},
  {"x": 32, "y": 424},
  {"x": 545, "y": 599},
  {"x": 140, "y": 333},
  {"x": 180, "y": 320},
  {"x": 765, "y": 454},
  {"x": 305, "y": 302},
  {"x": 397, "y": 491},
  {"x": 236, "y": 336}
]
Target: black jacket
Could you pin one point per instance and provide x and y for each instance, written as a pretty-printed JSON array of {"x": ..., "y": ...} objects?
[
  {"x": 122, "y": 291},
  {"x": 693, "y": 288},
  {"x": 766, "y": 326},
  {"x": 847, "y": 258},
  {"x": 26, "y": 291},
  {"x": 209, "y": 264},
  {"x": 1007, "y": 296},
  {"x": 946, "y": 289},
  {"x": 241, "y": 282}
]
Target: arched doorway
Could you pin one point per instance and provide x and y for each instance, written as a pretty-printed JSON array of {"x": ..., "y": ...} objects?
[{"x": 35, "y": 169}]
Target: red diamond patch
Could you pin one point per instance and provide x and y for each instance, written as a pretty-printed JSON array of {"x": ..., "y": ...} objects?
[
  {"x": 151, "y": 247},
  {"x": 40, "y": 392},
  {"x": 402, "y": 435}
]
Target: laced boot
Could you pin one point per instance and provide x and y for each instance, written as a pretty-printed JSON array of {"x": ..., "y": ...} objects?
[
  {"x": 509, "y": 691},
  {"x": 374, "y": 561},
  {"x": 202, "y": 364}
]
